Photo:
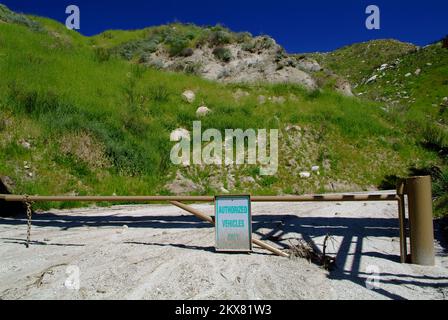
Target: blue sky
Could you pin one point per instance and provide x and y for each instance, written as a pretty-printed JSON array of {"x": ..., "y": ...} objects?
[{"x": 300, "y": 26}]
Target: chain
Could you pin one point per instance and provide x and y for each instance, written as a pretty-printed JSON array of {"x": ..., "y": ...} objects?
[{"x": 29, "y": 213}]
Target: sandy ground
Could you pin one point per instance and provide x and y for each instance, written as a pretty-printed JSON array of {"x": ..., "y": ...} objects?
[{"x": 161, "y": 252}]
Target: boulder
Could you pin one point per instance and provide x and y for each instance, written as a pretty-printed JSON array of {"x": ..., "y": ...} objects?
[
  {"x": 182, "y": 186},
  {"x": 344, "y": 88},
  {"x": 279, "y": 100},
  {"x": 309, "y": 65},
  {"x": 305, "y": 175},
  {"x": 189, "y": 96},
  {"x": 25, "y": 144},
  {"x": 372, "y": 78},
  {"x": 203, "y": 111},
  {"x": 240, "y": 94},
  {"x": 261, "y": 99}
]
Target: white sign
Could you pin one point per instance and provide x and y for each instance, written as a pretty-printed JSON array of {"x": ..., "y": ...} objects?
[{"x": 233, "y": 223}]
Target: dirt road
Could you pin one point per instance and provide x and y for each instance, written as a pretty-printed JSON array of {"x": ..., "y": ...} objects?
[{"x": 161, "y": 252}]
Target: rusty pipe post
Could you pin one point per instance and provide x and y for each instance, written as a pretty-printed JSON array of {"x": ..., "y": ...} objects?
[{"x": 421, "y": 220}]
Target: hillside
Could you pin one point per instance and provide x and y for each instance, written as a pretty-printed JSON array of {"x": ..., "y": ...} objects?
[
  {"x": 398, "y": 74},
  {"x": 80, "y": 116}
]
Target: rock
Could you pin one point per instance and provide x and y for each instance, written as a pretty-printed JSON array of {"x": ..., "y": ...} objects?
[
  {"x": 444, "y": 102},
  {"x": 181, "y": 185},
  {"x": 279, "y": 100},
  {"x": 293, "y": 127},
  {"x": 7, "y": 185},
  {"x": 189, "y": 96},
  {"x": 248, "y": 180},
  {"x": 224, "y": 190},
  {"x": 180, "y": 134},
  {"x": 342, "y": 186},
  {"x": 383, "y": 67},
  {"x": 203, "y": 111},
  {"x": 291, "y": 75},
  {"x": 309, "y": 64},
  {"x": 344, "y": 88},
  {"x": 25, "y": 144},
  {"x": 123, "y": 229},
  {"x": 261, "y": 99},
  {"x": 372, "y": 78},
  {"x": 418, "y": 71},
  {"x": 240, "y": 94},
  {"x": 315, "y": 168},
  {"x": 305, "y": 175}
]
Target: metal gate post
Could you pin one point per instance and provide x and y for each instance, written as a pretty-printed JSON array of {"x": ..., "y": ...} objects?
[{"x": 421, "y": 220}]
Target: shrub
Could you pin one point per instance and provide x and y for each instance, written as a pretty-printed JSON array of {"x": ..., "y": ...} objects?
[
  {"x": 445, "y": 42},
  {"x": 9, "y": 16},
  {"x": 107, "y": 35},
  {"x": 434, "y": 138},
  {"x": 440, "y": 186},
  {"x": 220, "y": 37},
  {"x": 187, "y": 52},
  {"x": 222, "y": 54},
  {"x": 159, "y": 93},
  {"x": 101, "y": 54},
  {"x": 243, "y": 37},
  {"x": 138, "y": 47},
  {"x": 249, "y": 46},
  {"x": 194, "y": 68},
  {"x": 176, "y": 44},
  {"x": 259, "y": 44}
]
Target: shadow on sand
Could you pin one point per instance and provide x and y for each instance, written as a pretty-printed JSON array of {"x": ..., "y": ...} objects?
[{"x": 352, "y": 232}]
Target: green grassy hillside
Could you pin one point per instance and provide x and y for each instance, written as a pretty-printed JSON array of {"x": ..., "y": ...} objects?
[{"x": 76, "y": 121}]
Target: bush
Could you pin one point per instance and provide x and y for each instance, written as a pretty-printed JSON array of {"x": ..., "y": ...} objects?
[
  {"x": 259, "y": 44},
  {"x": 187, "y": 52},
  {"x": 222, "y": 54},
  {"x": 101, "y": 54},
  {"x": 243, "y": 37},
  {"x": 434, "y": 138},
  {"x": 445, "y": 42},
  {"x": 39, "y": 104},
  {"x": 219, "y": 38},
  {"x": 249, "y": 46},
  {"x": 7, "y": 15},
  {"x": 194, "y": 68},
  {"x": 159, "y": 93},
  {"x": 440, "y": 187},
  {"x": 138, "y": 47},
  {"x": 176, "y": 44}
]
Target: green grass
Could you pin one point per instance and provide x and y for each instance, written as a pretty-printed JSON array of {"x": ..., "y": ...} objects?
[
  {"x": 353, "y": 62},
  {"x": 55, "y": 84}
]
